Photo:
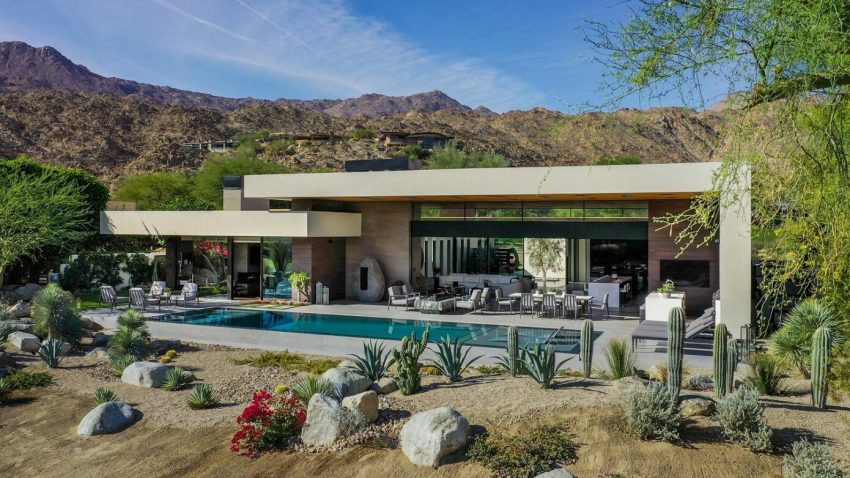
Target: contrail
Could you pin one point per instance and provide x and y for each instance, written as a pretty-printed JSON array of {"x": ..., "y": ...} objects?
[{"x": 202, "y": 21}]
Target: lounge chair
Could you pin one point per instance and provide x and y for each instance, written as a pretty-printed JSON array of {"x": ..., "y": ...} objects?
[
  {"x": 109, "y": 296},
  {"x": 157, "y": 288},
  {"x": 189, "y": 293},
  {"x": 473, "y": 303},
  {"x": 657, "y": 330},
  {"x": 397, "y": 296},
  {"x": 139, "y": 299}
]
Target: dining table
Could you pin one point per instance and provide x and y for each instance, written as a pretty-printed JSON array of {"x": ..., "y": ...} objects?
[{"x": 582, "y": 300}]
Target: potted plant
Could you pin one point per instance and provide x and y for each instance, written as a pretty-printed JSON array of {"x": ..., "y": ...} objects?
[{"x": 667, "y": 288}]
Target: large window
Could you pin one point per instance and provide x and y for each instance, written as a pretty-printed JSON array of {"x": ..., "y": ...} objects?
[
  {"x": 438, "y": 256},
  {"x": 277, "y": 267},
  {"x": 535, "y": 211}
]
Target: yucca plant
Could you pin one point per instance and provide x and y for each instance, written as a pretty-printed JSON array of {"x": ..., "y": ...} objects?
[
  {"x": 766, "y": 373},
  {"x": 375, "y": 362},
  {"x": 126, "y": 341},
  {"x": 451, "y": 358},
  {"x": 54, "y": 315},
  {"x": 793, "y": 341},
  {"x": 134, "y": 320},
  {"x": 620, "y": 358},
  {"x": 176, "y": 378},
  {"x": 103, "y": 395},
  {"x": 118, "y": 363},
  {"x": 51, "y": 352},
  {"x": 202, "y": 396},
  {"x": 540, "y": 364},
  {"x": 312, "y": 384}
]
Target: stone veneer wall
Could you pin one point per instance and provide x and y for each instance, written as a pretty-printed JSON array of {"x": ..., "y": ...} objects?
[
  {"x": 661, "y": 246},
  {"x": 384, "y": 235}
]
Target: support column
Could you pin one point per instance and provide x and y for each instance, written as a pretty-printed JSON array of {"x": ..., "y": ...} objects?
[
  {"x": 172, "y": 260},
  {"x": 229, "y": 273},
  {"x": 736, "y": 256}
]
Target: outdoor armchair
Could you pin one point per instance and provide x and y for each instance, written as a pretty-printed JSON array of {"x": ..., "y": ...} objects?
[
  {"x": 109, "y": 296},
  {"x": 140, "y": 300},
  {"x": 398, "y": 296},
  {"x": 189, "y": 293},
  {"x": 472, "y": 304}
]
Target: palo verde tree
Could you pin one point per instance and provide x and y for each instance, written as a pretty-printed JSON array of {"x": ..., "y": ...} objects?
[{"x": 545, "y": 255}]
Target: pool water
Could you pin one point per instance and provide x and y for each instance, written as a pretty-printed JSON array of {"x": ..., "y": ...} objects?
[{"x": 480, "y": 335}]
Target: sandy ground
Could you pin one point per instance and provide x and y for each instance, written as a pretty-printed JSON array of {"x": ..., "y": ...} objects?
[{"x": 38, "y": 427}]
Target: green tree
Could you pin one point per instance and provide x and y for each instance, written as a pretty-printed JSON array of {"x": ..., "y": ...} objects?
[
  {"x": 40, "y": 212},
  {"x": 157, "y": 191},
  {"x": 208, "y": 181},
  {"x": 619, "y": 159},
  {"x": 453, "y": 157},
  {"x": 362, "y": 133},
  {"x": 545, "y": 255},
  {"x": 414, "y": 151}
]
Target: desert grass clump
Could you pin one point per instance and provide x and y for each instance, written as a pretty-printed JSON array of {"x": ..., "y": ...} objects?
[
  {"x": 375, "y": 362},
  {"x": 176, "y": 378},
  {"x": 529, "y": 454},
  {"x": 490, "y": 370},
  {"x": 539, "y": 363},
  {"x": 104, "y": 395},
  {"x": 652, "y": 412},
  {"x": 620, "y": 359},
  {"x": 202, "y": 396},
  {"x": 287, "y": 360},
  {"x": 741, "y": 416},
  {"x": 313, "y": 384},
  {"x": 811, "y": 460},
  {"x": 452, "y": 358},
  {"x": 766, "y": 374}
]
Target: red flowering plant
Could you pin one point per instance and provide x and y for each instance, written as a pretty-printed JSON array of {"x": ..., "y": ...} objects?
[{"x": 270, "y": 422}]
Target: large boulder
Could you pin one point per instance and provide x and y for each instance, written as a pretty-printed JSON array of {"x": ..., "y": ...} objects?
[
  {"x": 97, "y": 353},
  {"x": 365, "y": 404},
  {"x": 109, "y": 417},
  {"x": 26, "y": 292},
  {"x": 556, "y": 473},
  {"x": 376, "y": 285},
  {"x": 697, "y": 407},
  {"x": 698, "y": 382},
  {"x": 64, "y": 349},
  {"x": 323, "y": 425},
  {"x": 25, "y": 342},
  {"x": 431, "y": 435},
  {"x": 384, "y": 386},
  {"x": 89, "y": 324},
  {"x": 347, "y": 381},
  {"x": 145, "y": 374},
  {"x": 20, "y": 309}
]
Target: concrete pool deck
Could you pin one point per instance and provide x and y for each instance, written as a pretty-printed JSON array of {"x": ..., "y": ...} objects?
[{"x": 648, "y": 353}]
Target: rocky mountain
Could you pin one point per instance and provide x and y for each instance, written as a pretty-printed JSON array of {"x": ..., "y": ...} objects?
[{"x": 26, "y": 68}]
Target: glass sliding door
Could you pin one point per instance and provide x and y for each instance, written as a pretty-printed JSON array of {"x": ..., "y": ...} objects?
[{"x": 277, "y": 267}]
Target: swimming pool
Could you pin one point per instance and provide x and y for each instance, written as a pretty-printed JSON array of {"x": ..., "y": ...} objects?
[{"x": 480, "y": 335}]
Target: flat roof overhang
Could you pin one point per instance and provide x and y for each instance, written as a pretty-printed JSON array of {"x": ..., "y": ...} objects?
[
  {"x": 561, "y": 183},
  {"x": 231, "y": 223}
]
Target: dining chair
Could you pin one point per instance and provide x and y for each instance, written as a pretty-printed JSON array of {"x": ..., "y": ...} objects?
[
  {"x": 503, "y": 301},
  {"x": 601, "y": 305},
  {"x": 526, "y": 303},
  {"x": 548, "y": 305},
  {"x": 570, "y": 305}
]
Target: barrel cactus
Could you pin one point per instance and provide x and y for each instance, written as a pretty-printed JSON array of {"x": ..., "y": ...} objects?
[
  {"x": 731, "y": 364},
  {"x": 407, "y": 360},
  {"x": 821, "y": 343},
  {"x": 586, "y": 350},
  {"x": 720, "y": 356},
  {"x": 675, "y": 349},
  {"x": 513, "y": 350}
]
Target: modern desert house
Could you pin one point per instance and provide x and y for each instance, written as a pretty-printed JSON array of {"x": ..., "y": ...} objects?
[{"x": 439, "y": 230}]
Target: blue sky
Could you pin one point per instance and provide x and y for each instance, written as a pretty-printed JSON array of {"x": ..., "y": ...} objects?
[{"x": 501, "y": 54}]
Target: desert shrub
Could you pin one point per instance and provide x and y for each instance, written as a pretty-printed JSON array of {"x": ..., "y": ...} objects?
[
  {"x": 51, "y": 352},
  {"x": 793, "y": 341},
  {"x": 811, "y": 460},
  {"x": 351, "y": 421},
  {"x": 652, "y": 412},
  {"x": 414, "y": 151},
  {"x": 621, "y": 360},
  {"x": 539, "y": 364},
  {"x": 658, "y": 372},
  {"x": 310, "y": 385},
  {"x": 118, "y": 363},
  {"x": 135, "y": 321},
  {"x": 5, "y": 387},
  {"x": 375, "y": 362},
  {"x": 202, "y": 396},
  {"x": 742, "y": 418},
  {"x": 453, "y": 156},
  {"x": 23, "y": 380},
  {"x": 362, "y": 133},
  {"x": 126, "y": 341},
  {"x": 176, "y": 378},
  {"x": 270, "y": 422},
  {"x": 490, "y": 370},
  {"x": 54, "y": 315},
  {"x": 568, "y": 372},
  {"x": 766, "y": 373},
  {"x": 520, "y": 456},
  {"x": 5, "y": 330},
  {"x": 452, "y": 358},
  {"x": 619, "y": 159},
  {"x": 289, "y": 361},
  {"x": 429, "y": 370},
  {"x": 103, "y": 395}
]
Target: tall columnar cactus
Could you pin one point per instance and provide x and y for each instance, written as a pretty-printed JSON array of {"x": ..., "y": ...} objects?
[
  {"x": 731, "y": 364},
  {"x": 407, "y": 360},
  {"x": 586, "y": 350},
  {"x": 821, "y": 343},
  {"x": 675, "y": 348},
  {"x": 513, "y": 350},
  {"x": 720, "y": 356}
]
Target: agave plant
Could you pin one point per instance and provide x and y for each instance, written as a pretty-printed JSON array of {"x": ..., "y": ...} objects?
[
  {"x": 793, "y": 341},
  {"x": 202, "y": 396},
  {"x": 504, "y": 361},
  {"x": 126, "y": 341},
  {"x": 375, "y": 362},
  {"x": 134, "y": 320},
  {"x": 51, "y": 352},
  {"x": 621, "y": 360},
  {"x": 311, "y": 385},
  {"x": 451, "y": 358},
  {"x": 540, "y": 364},
  {"x": 103, "y": 395},
  {"x": 176, "y": 378}
]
